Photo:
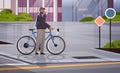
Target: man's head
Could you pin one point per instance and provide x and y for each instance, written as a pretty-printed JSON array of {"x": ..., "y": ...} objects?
[{"x": 42, "y": 10}]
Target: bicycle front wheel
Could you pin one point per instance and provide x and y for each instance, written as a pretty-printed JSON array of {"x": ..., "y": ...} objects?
[
  {"x": 55, "y": 45},
  {"x": 26, "y": 45}
]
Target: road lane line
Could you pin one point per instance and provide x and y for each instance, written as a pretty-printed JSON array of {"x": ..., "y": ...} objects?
[
  {"x": 14, "y": 64},
  {"x": 60, "y": 66}
]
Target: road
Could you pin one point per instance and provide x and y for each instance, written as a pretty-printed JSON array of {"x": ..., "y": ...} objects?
[
  {"x": 8, "y": 65},
  {"x": 107, "y": 67}
]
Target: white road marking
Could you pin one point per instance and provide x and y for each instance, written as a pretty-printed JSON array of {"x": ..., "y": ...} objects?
[{"x": 14, "y": 64}]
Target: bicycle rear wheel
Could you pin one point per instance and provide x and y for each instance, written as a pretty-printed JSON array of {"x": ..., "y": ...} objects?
[
  {"x": 26, "y": 45},
  {"x": 55, "y": 45}
]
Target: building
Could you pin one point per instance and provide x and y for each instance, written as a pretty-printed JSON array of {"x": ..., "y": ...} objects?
[
  {"x": 92, "y": 8},
  {"x": 117, "y": 5},
  {"x": 53, "y": 7}
]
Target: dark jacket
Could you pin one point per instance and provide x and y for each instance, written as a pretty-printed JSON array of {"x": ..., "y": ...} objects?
[{"x": 41, "y": 22}]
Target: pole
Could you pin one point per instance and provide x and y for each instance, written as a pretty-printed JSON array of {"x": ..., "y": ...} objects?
[
  {"x": 99, "y": 36},
  {"x": 55, "y": 11},
  {"x": 28, "y": 9},
  {"x": 72, "y": 10},
  {"x": 110, "y": 33}
]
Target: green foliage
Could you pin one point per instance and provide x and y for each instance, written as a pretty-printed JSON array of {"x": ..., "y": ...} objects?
[
  {"x": 20, "y": 18},
  {"x": 115, "y": 44},
  {"x": 6, "y": 11},
  {"x": 7, "y": 15},
  {"x": 87, "y": 19},
  {"x": 91, "y": 19},
  {"x": 116, "y": 19},
  {"x": 24, "y": 17}
]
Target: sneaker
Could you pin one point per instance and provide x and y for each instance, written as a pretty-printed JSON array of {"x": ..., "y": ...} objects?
[
  {"x": 42, "y": 53},
  {"x": 36, "y": 53}
]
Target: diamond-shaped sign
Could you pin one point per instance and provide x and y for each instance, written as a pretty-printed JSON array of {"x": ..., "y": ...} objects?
[{"x": 99, "y": 21}]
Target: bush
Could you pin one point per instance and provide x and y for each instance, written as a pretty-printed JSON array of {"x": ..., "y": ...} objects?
[
  {"x": 29, "y": 19},
  {"x": 115, "y": 19},
  {"x": 24, "y": 17},
  {"x": 8, "y": 17},
  {"x": 87, "y": 19},
  {"x": 20, "y": 18},
  {"x": 6, "y": 11},
  {"x": 115, "y": 44},
  {"x": 91, "y": 19}
]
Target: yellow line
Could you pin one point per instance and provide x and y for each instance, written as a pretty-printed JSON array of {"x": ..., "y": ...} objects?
[{"x": 60, "y": 66}]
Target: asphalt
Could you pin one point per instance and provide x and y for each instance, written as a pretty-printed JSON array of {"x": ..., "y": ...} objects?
[
  {"x": 66, "y": 68},
  {"x": 81, "y": 40}
]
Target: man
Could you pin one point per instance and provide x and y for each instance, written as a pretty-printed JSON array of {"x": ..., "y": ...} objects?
[{"x": 41, "y": 25}]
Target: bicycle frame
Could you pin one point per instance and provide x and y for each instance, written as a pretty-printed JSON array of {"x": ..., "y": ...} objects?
[{"x": 34, "y": 34}]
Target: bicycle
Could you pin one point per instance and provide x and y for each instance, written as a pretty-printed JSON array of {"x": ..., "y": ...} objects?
[{"x": 54, "y": 44}]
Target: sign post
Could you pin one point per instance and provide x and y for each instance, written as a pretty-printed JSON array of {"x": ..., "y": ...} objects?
[
  {"x": 110, "y": 13},
  {"x": 99, "y": 21}
]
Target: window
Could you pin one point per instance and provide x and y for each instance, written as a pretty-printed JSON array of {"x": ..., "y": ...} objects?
[
  {"x": 1, "y": 3},
  {"x": 7, "y": 4}
]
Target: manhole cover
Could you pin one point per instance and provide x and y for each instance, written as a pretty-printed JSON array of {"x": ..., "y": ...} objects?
[{"x": 87, "y": 57}]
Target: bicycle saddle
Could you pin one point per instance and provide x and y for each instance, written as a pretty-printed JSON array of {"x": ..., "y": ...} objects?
[{"x": 31, "y": 29}]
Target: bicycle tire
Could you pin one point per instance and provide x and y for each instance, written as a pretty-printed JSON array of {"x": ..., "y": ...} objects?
[
  {"x": 53, "y": 53},
  {"x": 19, "y": 49}
]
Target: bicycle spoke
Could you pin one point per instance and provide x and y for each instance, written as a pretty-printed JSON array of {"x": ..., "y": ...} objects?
[
  {"x": 26, "y": 45},
  {"x": 31, "y": 46},
  {"x": 55, "y": 45}
]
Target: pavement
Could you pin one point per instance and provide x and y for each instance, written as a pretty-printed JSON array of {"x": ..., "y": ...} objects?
[{"x": 81, "y": 40}]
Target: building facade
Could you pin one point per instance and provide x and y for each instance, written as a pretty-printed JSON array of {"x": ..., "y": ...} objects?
[
  {"x": 53, "y": 7},
  {"x": 91, "y": 8},
  {"x": 61, "y": 10}
]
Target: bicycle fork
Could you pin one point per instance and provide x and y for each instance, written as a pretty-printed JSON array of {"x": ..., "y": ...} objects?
[{"x": 53, "y": 41}]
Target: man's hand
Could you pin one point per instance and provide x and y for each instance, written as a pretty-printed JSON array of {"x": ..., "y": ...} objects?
[{"x": 51, "y": 28}]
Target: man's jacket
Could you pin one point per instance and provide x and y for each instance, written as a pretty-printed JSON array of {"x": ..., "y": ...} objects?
[{"x": 41, "y": 22}]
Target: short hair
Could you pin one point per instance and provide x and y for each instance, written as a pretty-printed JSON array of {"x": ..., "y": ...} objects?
[{"x": 42, "y": 8}]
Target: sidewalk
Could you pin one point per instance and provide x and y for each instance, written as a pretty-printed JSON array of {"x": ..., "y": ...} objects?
[{"x": 74, "y": 57}]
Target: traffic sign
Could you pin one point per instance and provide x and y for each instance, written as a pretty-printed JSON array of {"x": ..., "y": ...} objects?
[
  {"x": 99, "y": 21},
  {"x": 110, "y": 13}
]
